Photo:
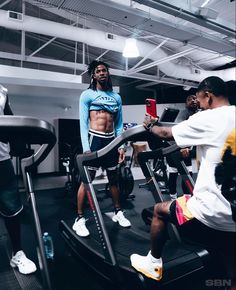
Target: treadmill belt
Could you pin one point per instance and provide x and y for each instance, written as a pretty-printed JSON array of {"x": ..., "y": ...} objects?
[{"x": 126, "y": 241}]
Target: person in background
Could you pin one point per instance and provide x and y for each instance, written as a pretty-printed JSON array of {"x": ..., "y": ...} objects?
[
  {"x": 100, "y": 122},
  {"x": 205, "y": 216},
  {"x": 191, "y": 107},
  {"x": 231, "y": 91},
  {"x": 10, "y": 203}
]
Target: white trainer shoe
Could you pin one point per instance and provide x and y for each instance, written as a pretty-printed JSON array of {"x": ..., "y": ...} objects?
[
  {"x": 145, "y": 265},
  {"x": 173, "y": 196},
  {"x": 25, "y": 266},
  {"x": 121, "y": 219},
  {"x": 80, "y": 228}
]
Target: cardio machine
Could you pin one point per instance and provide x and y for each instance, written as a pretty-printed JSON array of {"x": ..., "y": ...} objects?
[
  {"x": 28, "y": 130},
  {"x": 68, "y": 162},
  {"x": 107, "y": 250}
]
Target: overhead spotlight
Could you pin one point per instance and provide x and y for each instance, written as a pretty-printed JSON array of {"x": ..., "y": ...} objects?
[{"x": 130, "y": 49}]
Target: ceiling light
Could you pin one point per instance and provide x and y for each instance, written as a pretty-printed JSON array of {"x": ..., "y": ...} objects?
[
  {"x": 130, "y": 49},
  {"x": 205, "y": 3}
]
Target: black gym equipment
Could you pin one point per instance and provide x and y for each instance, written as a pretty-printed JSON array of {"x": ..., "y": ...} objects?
[
  {"x": 169, "y": 115},
  {"x": 174, "y": 154},
  {"x": 27, "y": 130},
  {"x": 68, "y": 160},
  {"x": 159, "y": 168},
  {"x": 107, "y": 250},
  {"x": 126, "y": 179}
]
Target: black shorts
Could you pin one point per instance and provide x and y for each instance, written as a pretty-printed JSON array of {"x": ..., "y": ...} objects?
[
  {"x": 170, "y": 162},
  {"x": 10, "y": 202},
  {"x": 99, "y": 140},
  {"x": 195, "y": 231}
]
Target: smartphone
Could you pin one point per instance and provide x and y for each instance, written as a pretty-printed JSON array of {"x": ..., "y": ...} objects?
[{"x": 151, "y": 107}]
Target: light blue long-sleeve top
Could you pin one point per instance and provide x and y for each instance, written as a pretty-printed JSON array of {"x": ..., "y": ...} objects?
[{"x": 91, "y": 100}]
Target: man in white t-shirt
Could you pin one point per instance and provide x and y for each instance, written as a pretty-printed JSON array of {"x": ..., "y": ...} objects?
[{"x": 207, "y": 213}]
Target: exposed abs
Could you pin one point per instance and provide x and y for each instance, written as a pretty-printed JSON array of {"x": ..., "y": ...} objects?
[{"x": 101, "y": 121}]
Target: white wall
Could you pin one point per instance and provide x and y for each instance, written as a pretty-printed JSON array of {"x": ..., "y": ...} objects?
[
  {"x": 52, "y": 108},
  {"x": 48, "y": 109},
  {"x": 135, "y": 113}
]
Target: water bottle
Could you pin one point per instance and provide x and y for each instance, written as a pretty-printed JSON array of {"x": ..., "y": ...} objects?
[{"x": 48, "y": 246}]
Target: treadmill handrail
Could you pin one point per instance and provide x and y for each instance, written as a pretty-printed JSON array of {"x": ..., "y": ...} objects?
[
  {"x": 10, "y": 123},
  {"x": 128, "y": 135},
  {"x": 31, "y": 130},
  {"x": 83, "y": 159},
  {"x": 28, "y": 130}
]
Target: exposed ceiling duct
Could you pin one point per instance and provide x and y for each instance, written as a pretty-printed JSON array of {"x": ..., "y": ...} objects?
[{"x": 99, "y": 39}]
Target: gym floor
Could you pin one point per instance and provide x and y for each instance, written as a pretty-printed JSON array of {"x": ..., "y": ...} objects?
[{"x": 53, "y": 205}]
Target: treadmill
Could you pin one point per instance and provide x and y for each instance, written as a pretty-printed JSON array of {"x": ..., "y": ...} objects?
[
  {"x": 108, "y": 248},
  {"x": 27, "y": 130},
  {"x": 173, "y": 151}
]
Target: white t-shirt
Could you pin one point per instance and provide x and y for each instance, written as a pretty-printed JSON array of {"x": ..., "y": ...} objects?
[
  {"x": 4, "y": 148},
  {"x": 208, "y": 130}
]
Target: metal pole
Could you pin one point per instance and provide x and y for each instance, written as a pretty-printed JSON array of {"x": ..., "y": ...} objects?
[{"x": 40, "y": 249}]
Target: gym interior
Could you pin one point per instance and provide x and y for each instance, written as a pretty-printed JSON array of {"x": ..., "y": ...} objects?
[{"x": 45, "y": 48}]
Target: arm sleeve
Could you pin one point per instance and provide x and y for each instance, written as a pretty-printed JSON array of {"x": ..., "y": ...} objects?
[
  {"x": 118, "y": 124},
  {"x": 84, "y": 120}
]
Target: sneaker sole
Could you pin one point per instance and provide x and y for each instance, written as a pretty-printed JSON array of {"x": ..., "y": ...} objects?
[
  {"x": 116, "y": 221},
  {"x": 13, "y": 265},
  {"x": 84, "y": 236},
  {"x": 146, "y": 273}
]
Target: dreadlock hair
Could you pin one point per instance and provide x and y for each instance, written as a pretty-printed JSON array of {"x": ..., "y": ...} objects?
[
  {"x": 213, "y": 85},
  {"x": 91, "y": 70}
]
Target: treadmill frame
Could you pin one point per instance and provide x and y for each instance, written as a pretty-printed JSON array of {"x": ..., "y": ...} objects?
[
  {"x": 34, "y": 131},
  {"x": 136, "y": 133}
]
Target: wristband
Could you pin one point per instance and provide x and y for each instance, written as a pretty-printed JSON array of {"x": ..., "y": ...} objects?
[{"x": 149, "y": 126}]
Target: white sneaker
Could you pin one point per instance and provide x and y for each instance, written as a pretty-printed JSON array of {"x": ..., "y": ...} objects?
[
  {"x": 145, "y": 265},
  {"x": 121, "y": 219},
  {"x": 80, "y": 228},
  {"x": 173, "y": 196},
  {"x": 25, "y": 266}
]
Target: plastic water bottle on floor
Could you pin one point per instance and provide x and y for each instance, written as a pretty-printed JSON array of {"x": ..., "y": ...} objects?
[{"x": 48, "y": 246}]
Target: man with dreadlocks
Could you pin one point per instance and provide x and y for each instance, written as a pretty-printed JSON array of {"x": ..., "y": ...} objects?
[{"x": 100, "y": 122}]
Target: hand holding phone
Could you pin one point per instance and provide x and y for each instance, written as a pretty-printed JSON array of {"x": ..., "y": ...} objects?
[{"x": 151, "y": 107}]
